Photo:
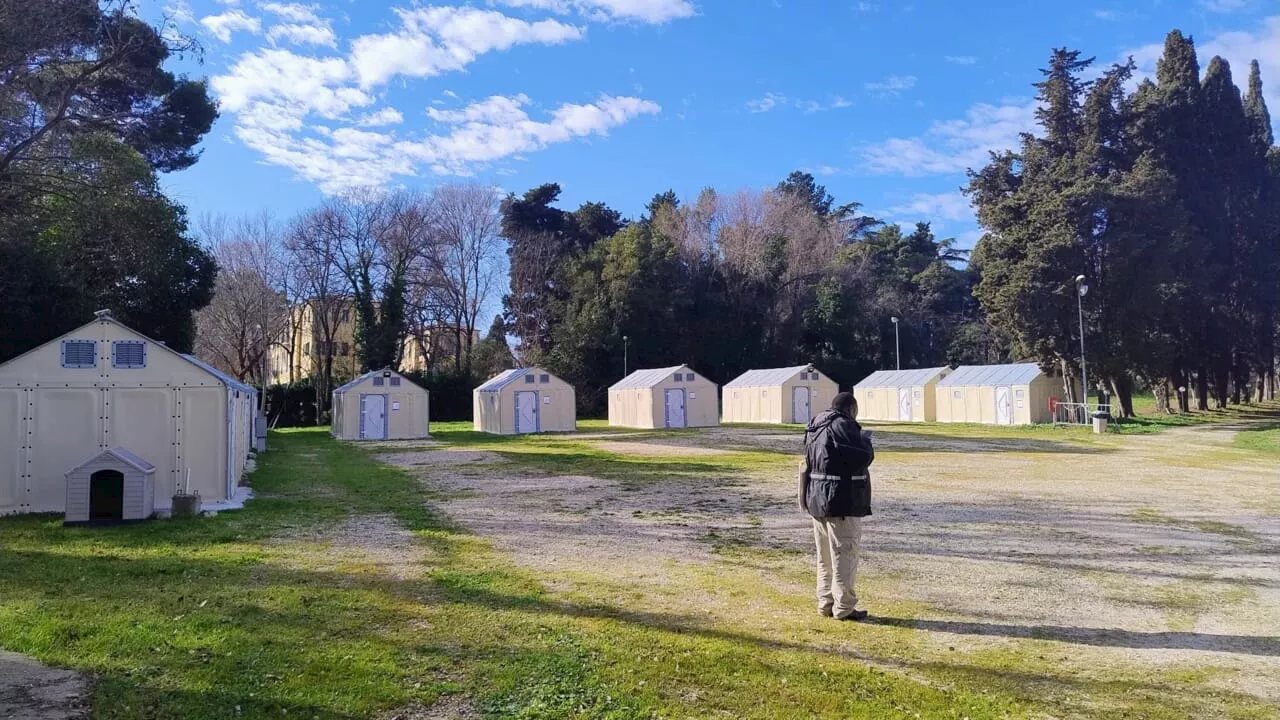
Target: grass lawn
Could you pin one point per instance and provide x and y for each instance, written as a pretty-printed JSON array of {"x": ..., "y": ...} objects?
[{"x": 257, "y": 614}]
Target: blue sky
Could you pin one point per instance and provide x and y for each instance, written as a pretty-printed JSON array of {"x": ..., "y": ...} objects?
[{"x": 616, "y": 100}]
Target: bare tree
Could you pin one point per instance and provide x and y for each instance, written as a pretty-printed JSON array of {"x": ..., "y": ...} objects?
[
  {"x": 466, "y": 259},
  {"x": 310, "y": 246}
]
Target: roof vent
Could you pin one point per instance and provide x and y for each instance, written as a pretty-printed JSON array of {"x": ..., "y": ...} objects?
[{"x": 103, "y": 315}]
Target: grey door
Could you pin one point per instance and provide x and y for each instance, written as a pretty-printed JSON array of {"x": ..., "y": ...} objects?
[
  {"x": 904, "y": 404},
  {"x": 1004, "y": 406},
  {"x": 675, "y": 409},
  {"x": 373, "y": 417},
  {"x": 526, "y": 412},
  {"x": 801, "y": 412}
]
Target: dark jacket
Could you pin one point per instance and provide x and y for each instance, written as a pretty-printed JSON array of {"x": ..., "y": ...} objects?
[{"x": 837, "y": 456}]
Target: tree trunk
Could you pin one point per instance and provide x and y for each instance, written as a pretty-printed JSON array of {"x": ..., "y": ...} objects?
[
  {"x": 1221, "y": 386},
  {"x": 1161, "y": 390},
  {"x": 1068, "y": 386},
  {"x": 1122, "y": 390},
  {"x": 1202, "y": 390}
]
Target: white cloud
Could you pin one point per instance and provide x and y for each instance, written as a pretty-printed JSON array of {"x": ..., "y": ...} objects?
[
  {"x": 1224, "y": 6},
  {"x": 774, "y": 100},
  {"x": 180, "y": 12},
  {"x": 961, "y": 59},
  {"x": 303, "y": 35},
  {"x": 294, "y": 12},
  {"x": 892, "y": 85},
  {"x": 1108, "y": 15},
  {"x": 294, "y": 83},
  {"x": 650, "y": 11},
  {"x": 953, "y": 146},
  {"x": 951, "y": 207},
  {"x": 433, "y": 40},
  {"x": 766, "y": 103},
  {"x": 383, "y": 117},
  {"x": 222, "y": 26}
]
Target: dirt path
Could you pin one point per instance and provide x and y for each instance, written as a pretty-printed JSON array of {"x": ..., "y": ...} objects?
[
  {"x": 1158, "y": 552},
  {"x": 31, "y": 691}
]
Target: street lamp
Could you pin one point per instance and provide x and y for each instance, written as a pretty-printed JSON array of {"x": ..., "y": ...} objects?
[
  {"x": 1081, "y": 290},
  {"x": 625, "y": 340},
  {"x": 897, "y": 347},
  {"x": 1182, "y": 397}
]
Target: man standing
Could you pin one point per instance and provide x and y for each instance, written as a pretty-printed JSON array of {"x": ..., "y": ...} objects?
[{"x": 835, "y": 489}]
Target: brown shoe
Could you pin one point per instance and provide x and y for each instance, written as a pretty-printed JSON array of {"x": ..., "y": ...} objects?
[{"x": 855, "y": 616}]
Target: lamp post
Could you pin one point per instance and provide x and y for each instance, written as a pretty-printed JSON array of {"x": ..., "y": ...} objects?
[
  {"x": 897, "y": 346},
  {"x": 1081, "y": 290},
  {"x": 1182, "y": 397},
  {"x": 625, "y": 340}
]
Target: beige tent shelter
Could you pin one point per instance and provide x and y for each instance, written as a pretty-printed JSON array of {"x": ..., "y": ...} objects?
[
  {"x": 381, "y": 405},
  {"x": 522, "y": 401},
  {"x": 997, "y": 395},
  {"x": 900, "y": 395},
  {"x": 779, "y": 395},
  {"x": 104, "y": 386},
  {"x": 673, "y": 397}
]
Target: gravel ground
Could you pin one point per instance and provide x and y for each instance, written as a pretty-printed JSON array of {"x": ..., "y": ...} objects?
[
  {"x": 31, "y": 691},
  {"x": 1149, "y": 551}
]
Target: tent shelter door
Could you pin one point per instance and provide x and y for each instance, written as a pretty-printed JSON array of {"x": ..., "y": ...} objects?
[
  {"x": 675, "y": 409},
  {"x": 801, "y": 411},
  {"x": 1004, "y": 406},
  {"x": 526, "y": 412},
  {"x": 373, "y": 417},
  {"x": 904, "y": 404}
]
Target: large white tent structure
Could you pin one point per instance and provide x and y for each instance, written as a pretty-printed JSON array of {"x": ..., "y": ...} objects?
[
  {"x": 524, "y": 401},
  {"x": 899, "y": 395},
  {"x": 1019, "y": 394},
  {"x": 777, "y": 395},
  {"x": 381, "y": 405},
  {"x": 102, "y": 387},
  {"x": 673, "y": 397}
]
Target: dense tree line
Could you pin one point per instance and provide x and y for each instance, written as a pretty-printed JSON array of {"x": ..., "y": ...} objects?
[
  {"x": 88, "y": 117},
  {"x": 732, "y": 282},
  {"x": 1166, "y": 200}
]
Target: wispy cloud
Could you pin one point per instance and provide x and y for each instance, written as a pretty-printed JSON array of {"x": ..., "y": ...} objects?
[
  {"x": 952, "y": 146},
  {"x": 1108, "y": 15},
  {"x": 648, "y": 11},
  {"x": 961, "y": 59},
  {"x": 224, "y": 25},
  {"x": 772, "y": 100},
  {"x": 1224, "y": 6},
  {"x": 892, "y": 85},
  {"x": 949, "y": 207},
  {"x": 865, "y": 6}
]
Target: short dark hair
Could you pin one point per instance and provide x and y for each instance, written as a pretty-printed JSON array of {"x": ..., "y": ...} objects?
[{"x": 844, "y": 402}]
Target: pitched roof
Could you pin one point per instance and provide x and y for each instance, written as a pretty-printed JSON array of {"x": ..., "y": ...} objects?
[
  {"x": 503, "y": 379},
  {"x": 225, "y": 378},
  {"x": 646, "y": 378},
  {"x": 372, "y": 373},
  {"x": 123, "y": 456},
  {"x": 1018, "y": 374},
  {"x": 901, "y": 378},
  {"x": 772, "y": 377}
]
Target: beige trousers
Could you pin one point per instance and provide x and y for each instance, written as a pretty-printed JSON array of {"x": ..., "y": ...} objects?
[{"x": 837, "y": 540}]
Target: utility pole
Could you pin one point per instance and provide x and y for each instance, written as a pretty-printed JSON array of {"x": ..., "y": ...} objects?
[
  {"x": 625, "y": 340},
  {"x": 1081, "y": 290},
  {"x": 897, "y": 345}
]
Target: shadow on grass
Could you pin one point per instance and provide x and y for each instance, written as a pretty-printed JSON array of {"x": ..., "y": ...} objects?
[{"x": 1266, "y": 646}]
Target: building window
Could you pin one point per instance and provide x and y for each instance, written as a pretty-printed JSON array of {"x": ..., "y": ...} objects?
[
  {"x": 544, "y": 379},
  {"x": 79, "y": 353},
  {"x": 129, "y": 354},
  {"x": 528, "y": 379},
  {"x": 395, "y": 382},
  {"x": 346, "y": 349},
  {"x": 346, "y": 315},
  {"x": 306, "y": 348}
]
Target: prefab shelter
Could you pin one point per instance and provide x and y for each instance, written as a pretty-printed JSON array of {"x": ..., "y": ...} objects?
[
  {"x": 900, "y": 395},
  {"x": 778, "y": 395},
  {"x": 673, "y": 397},
  {"x": 381, "y": 405},
  {"x": 105, "y": 386},
  {"x": 523, "y": 401},
  {"x": 1017, "y": 394}
]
